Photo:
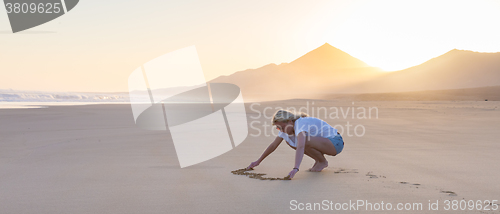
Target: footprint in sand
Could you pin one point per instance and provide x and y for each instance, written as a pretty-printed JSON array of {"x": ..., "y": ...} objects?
[
  {"x": 450, "y": 193},
  {"x": 404, "y": 182},
  {"x": 341, "y": 170},
  {"x": 371, "y": 175}
]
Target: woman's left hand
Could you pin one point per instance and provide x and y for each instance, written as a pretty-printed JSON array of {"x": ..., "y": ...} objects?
[{"x": 292, "y": 173}]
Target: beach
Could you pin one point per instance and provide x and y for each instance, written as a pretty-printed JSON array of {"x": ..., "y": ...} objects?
[{"x": 94, "y": 159}]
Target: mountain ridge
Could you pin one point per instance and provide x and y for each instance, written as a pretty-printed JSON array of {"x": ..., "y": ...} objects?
[
  {"x": 453, "y": 70},
  {"x": 328, "y": 57},
  {"x": 327, "y": 70},
  {"x": 302, "y": 75}
]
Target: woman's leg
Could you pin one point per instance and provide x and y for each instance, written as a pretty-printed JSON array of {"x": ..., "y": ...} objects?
[
  {"x": 315, "y": 157},
  {"x": 320, "y": 163},
  {"x": 317, "y": 147}
]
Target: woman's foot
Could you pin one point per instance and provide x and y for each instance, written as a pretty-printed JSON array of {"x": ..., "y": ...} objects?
[
  {"x": 318, "y": 166},
  {"x": 315, "y": 163}
]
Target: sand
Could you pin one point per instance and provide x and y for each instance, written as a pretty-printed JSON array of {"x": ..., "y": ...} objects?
[
  {"x": 259, "y": 176},
  {"x": 93, "y": 159}
]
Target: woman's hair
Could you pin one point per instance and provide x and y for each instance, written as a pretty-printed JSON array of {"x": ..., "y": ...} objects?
[{"x": 285, "y": 116}]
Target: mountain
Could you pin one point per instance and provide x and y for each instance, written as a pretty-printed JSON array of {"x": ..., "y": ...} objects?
[
  {"x": 320, "y": 71},
  {"x": 327, "y": 70},
  {"x": 327, "y": 57},
  {"x": 453, "y": 70}
]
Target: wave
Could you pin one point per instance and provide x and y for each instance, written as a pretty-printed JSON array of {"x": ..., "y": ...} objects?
[{"x": 38, "y": 96}]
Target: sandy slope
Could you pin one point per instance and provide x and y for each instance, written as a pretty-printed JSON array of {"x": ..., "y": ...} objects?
[{"x": 93, "y": 159}]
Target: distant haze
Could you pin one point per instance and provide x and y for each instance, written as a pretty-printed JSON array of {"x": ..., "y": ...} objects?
[
  {"x": 328, "y": 70},
  {"x": 96, "y": 46}
]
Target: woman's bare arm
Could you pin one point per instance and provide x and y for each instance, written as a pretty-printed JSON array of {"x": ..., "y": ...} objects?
[
  {"x": 270, "y": 149},
  {"x": 299, "y": 153}
]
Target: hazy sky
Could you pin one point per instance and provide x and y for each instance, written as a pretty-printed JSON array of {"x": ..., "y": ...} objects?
[{"x": 98, "y": 44}]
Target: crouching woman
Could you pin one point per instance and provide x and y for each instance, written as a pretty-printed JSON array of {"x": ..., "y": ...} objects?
[{"x": 307, "y": 135}]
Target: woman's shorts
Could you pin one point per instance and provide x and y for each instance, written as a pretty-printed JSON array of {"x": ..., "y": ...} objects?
[{"x": 338, "y": 142}]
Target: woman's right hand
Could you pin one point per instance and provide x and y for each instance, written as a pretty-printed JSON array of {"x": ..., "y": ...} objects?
[{"x": 253, "y": 164}]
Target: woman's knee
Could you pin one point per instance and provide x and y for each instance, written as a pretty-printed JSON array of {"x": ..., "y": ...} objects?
[{"x": 308, "y": 145}]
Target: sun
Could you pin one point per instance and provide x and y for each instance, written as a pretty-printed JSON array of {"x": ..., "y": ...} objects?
[{"x": 395, "y": 35}]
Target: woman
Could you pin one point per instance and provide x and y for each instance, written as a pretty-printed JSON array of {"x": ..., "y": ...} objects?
[{"x": 307, "y": 135}]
